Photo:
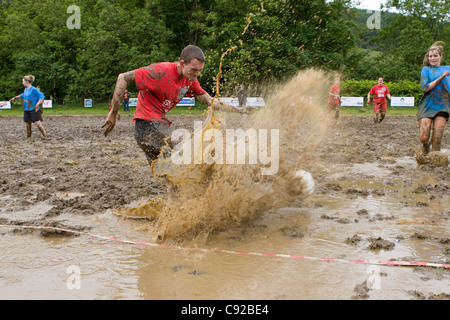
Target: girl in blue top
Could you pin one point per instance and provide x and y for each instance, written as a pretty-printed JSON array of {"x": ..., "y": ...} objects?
[
  {"x": 32, "y": 99},
  {"x": 434, "y": 107}
]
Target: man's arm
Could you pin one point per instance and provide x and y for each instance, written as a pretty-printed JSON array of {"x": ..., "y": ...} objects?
[
  {"x": 122, "y": 82},
  {"x": 121, "y": 85}
]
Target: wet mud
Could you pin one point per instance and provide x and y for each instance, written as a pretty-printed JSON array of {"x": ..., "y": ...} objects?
[{"x": 371, "y": 199}]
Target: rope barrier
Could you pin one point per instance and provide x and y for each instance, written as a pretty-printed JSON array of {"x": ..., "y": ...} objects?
[{"x": 371, "y": 262}]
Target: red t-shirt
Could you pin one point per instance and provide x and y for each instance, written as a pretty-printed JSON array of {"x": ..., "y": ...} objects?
[
  {"x": 160, "y": 89},
  {"x": 379, "y": 92},
  {"x": 334, "y": 91}
]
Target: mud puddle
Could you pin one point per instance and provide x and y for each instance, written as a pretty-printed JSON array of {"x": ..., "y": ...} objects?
[{"x": 342, "y": 223}]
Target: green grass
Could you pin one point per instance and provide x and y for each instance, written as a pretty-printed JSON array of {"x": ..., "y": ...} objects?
[
  {"x": 103, "y": 109},
  {"x": 369, "y": 110}
]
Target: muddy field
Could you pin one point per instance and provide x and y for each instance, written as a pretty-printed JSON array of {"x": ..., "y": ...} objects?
[{"x": 372, "y": 201}]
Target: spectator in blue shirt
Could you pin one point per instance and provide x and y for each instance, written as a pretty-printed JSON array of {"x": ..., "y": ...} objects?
[{"x": 32, "y": 99}]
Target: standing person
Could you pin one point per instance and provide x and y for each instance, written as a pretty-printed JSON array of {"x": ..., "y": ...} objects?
[
  {"x": 434, "y": 106},
  {"x": 334, "y": 97},
  {"x": 161, "y": 86},
  {"x": 242, "y": 96},
  {"x": 32, "y": 99},
  {"x": 380, "y": 92},
  {"x": 126, "y": 101}
]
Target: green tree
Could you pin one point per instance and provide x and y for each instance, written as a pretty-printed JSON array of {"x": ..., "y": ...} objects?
[{"x": 282, "y": 37}]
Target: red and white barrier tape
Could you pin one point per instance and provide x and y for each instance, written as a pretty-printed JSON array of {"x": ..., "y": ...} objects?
[{"x": 372, "y": 262}]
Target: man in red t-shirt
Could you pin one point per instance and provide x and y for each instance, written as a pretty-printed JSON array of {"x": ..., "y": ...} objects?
[
  {"x": 161, "y": 86},
  {"x": 334, "y": 98},
  {"x": 380, "y": 92}
]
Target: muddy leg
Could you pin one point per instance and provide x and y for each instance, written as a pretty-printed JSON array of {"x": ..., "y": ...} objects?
[
  {"x": 28, "y": 124},
  {"x": 438, "y": 132},
  {"x": 424, "y": 134},
  {"x": 383, "y": 114},
  {"x": 375, "y": 119},
  {"x": 41, "y": 129}
]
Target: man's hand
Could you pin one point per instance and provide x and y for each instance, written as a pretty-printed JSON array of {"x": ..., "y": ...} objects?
[{"x": 110, "y": 123}]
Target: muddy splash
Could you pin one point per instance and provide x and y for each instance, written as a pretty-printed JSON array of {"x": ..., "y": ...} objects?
[{"x": 225, "y": 176}]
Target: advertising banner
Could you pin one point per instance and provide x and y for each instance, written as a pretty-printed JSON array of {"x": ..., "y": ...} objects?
[
  {"x": 402, "y": 101},
  {"x": 352, "y": 102}
]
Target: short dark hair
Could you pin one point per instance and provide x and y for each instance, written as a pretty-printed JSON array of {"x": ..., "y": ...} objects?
[{"x": 192, "y": 52}]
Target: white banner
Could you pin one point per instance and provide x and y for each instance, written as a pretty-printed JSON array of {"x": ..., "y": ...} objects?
[
  {"x": 255, "y": 102},
  {"x": 230, "y": 101},
  {"x": 88, "y": 103},
  {"x": 47, "y": 104},
  {"x": 5, "y": 105},
  {"x": 132, "y": 102},
  {"x": 352, "y": 101},
  {"x": 402, "y": 101},
  {"x": 252, "y": 101},
  {"x": 186, "y": 102}
]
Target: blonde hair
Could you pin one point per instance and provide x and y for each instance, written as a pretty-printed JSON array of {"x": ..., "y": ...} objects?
[
  {"x": 29, "y": 78},
  {"x": 439, "y": 47}
]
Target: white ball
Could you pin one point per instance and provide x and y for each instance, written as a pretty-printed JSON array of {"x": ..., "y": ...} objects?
[{"x": 307, "y": 181}]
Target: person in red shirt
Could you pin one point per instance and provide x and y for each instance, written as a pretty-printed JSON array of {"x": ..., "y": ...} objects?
[
  {"x": 380, "y": 92},
  {"x": 334, "y": 97},
  {"x": 161, "y": 86}
]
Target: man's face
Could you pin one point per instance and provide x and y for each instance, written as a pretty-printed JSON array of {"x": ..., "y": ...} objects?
[
  {"x": 192, "y": 69},
  {"x": 380, "y": 81}
]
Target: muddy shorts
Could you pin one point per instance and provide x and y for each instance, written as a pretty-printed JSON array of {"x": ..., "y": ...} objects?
[
  {"x": 152, "y": 136},
  {"x": 441, "y": 114},
  {"x": 377, "y": 106},
  {"x": 31, "y": 116}
]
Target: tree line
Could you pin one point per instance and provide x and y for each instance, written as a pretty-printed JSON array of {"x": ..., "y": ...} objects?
[{"x": 264, "y": 41}]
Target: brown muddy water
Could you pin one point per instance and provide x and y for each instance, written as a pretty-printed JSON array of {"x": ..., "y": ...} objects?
[{"x": 371, "y": 201}]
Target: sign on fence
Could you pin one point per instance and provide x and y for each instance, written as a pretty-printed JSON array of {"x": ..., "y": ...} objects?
[
  {"x": 133, "y": 102},
  {"x": 251, "y": 101},
  {"x": 88, "y": 103},
  {"x": 402, "y": 101},
  {"x": 255, "y": 102},
  {"x": 5, "y": 105},
  {"x": 47, "y": 104},
  {"x": 352, "y": 101},
  {"x": 186, "y": 102},
  {"x": 230, "y": 101}
]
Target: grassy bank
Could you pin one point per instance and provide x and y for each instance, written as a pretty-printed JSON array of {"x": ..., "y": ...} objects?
[{"x": 103, "y": 109}]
